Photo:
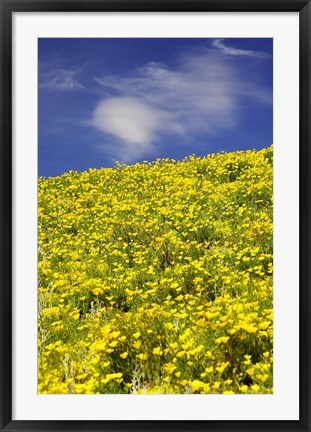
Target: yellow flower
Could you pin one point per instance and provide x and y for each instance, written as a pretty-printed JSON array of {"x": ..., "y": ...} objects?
[
  {"x": 96, "y": 291},
  {"x": 157, "y": 351},
  {"x": 110, "y": 377},
  {"x": 168, "y": 326},
  {"x": 244, "y": 388},
  {"x": 169, "y": 368},
  {"x": 247, "y": 359},
  {"x": 95, "y": 360},
  {"x": 250, "y": 370},
  {"x": 255, "y": 388},
  {"x": 222, "y": 340},
  {"x": 197, "y": 385},
  {"x": 124, "y": 355},
  {"x": 136, "y": 335},
  {"x": 222, "y": 367},
  {"x": 143, "y": 356},
  {"x": 137, "y": 344},
  {"x": 113, "y": 344},
  {"x": 115, "y": 334},
  {"x": 263, "y": 377}
]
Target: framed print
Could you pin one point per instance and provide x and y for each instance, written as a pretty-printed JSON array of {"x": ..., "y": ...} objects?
[{"x": 155, "y": 215}]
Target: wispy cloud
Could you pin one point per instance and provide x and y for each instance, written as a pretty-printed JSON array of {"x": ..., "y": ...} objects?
[
  {"x": 59, "y": 79},
  {"x": 219, "y": 43},
  {"x": 201, "y": 95}
]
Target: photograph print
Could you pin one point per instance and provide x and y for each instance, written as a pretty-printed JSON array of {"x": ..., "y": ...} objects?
[{"x": 155, "y": 216}]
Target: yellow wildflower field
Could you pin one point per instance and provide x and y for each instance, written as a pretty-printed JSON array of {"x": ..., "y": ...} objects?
[{"x": 157, "y": 277}]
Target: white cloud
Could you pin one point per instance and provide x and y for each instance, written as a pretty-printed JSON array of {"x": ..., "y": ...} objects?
[
  {"x": 133, "y": 122},
  {"x": 219, "y": 43},
  {"x": 201, "y": 95},
  {"x": 59, "y": 79},
  {"x": 127, "y": 118}
]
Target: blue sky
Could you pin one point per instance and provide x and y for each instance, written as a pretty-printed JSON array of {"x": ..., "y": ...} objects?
[{"x": 129, "y": 100}]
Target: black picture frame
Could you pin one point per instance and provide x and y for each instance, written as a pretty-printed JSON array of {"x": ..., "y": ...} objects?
[{"x": 7, "y": 8}]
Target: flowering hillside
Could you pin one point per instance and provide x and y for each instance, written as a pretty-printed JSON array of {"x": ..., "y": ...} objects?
[{"x": 157, "y": 277}]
